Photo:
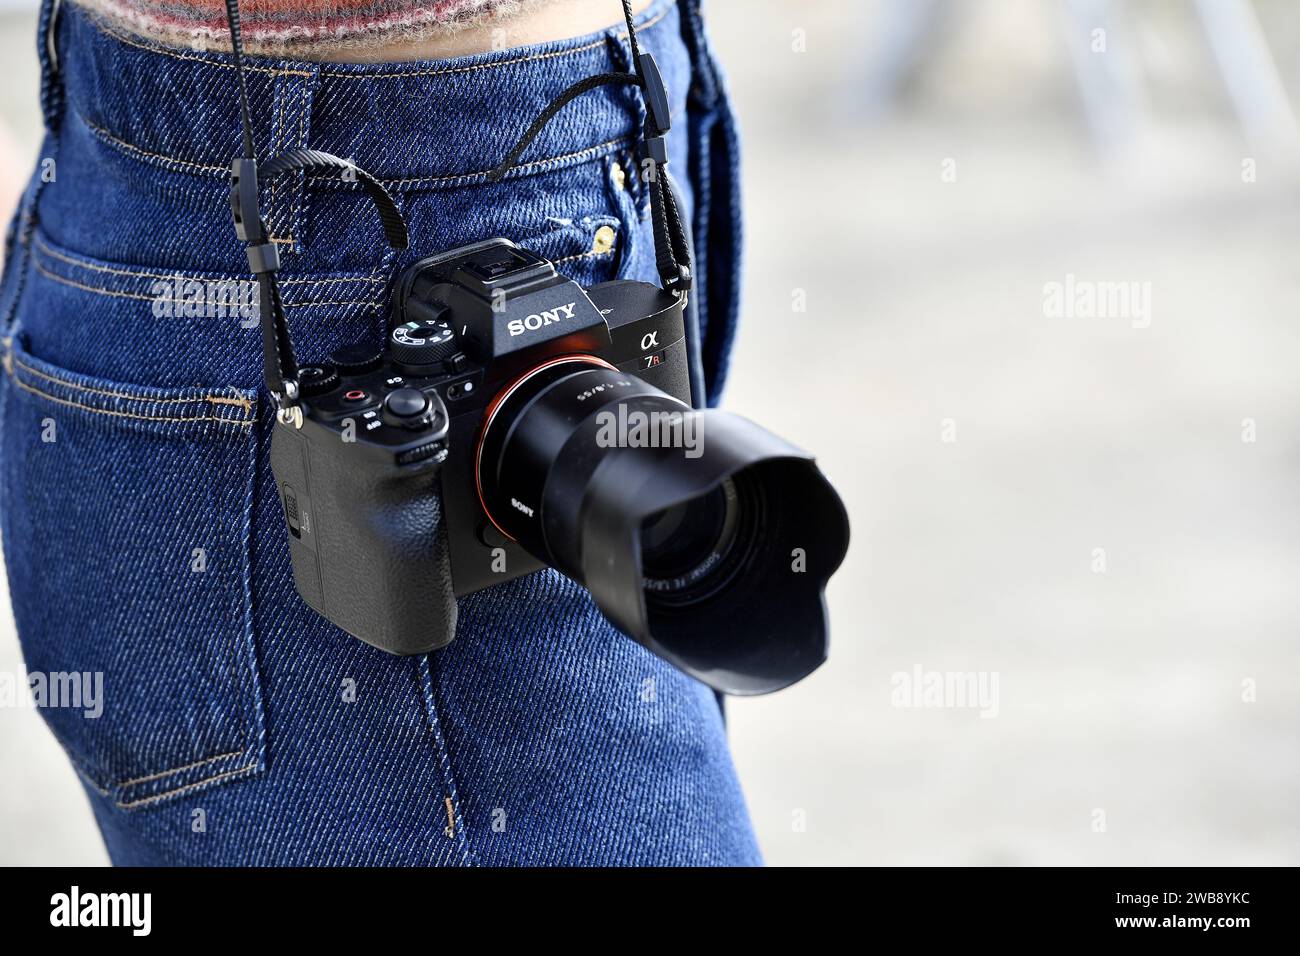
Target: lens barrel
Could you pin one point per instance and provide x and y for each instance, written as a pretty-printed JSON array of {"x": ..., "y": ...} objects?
[{"x": 699, "y": 534}]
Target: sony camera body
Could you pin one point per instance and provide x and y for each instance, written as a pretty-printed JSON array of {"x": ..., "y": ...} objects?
[
  {"x": 382, "y": 483},
  {"x": 514, "y": 420}
]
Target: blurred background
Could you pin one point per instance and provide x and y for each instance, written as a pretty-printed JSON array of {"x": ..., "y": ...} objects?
[{"x": 1093, "y": 510}]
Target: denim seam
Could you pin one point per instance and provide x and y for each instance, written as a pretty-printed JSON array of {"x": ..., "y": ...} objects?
[
  {"x": 117, "y": 414},
  {"x": 277, "y": 132},
  {"x": 166, "y": 794},
  {"x": 243, "y": 403},
  {"x": 303, "y": 305},
  {"x": 168, "y": 161},
  {"x": 164, "y": 773},
  {"x": 117, "y": 293},
  {"x": 299, "y": 179},
  {"x": 456, "y": 179},
  {"x": 28, "y": 387},
  {"x": 523, "y": 169},
  {"x": 27, "y": 260},
  {"x": 133, "y": 273},
  {"x": 120, "y": 294},
  {"x": 99, "y": 290},
  {"x": 105, "y": 790},
  {"x": 586, "y": 255},
  {"x": 377, "y": 295},
  {"x": 425, "y": 681}
]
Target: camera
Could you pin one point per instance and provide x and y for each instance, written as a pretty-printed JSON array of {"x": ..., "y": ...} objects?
[{"x": 515, "y": 420}]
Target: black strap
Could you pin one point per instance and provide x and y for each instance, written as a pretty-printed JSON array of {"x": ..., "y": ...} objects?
[
  {"x": 672, "y": 242},
  {"x": 279, "y": 365},
  {"x": 313, "y": 160}
]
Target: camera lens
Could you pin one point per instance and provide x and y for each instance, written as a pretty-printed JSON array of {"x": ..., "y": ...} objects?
[
  {"x": 706, "y": 538},
  {"x": 693, "y": 548}
]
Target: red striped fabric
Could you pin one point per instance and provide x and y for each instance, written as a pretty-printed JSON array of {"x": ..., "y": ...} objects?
[{"x": 285, "y": 26}]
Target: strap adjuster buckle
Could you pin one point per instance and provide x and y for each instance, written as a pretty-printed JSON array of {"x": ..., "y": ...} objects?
[
  {"x": 659, "y": 118},
  {"x": 243, "y": 200}
]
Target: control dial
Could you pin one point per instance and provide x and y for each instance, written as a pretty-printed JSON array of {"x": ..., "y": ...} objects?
[
  {"x": 317, "y": 379},
  {"x": 356, "y": 359},
  {"x": 422, "y": 342}
]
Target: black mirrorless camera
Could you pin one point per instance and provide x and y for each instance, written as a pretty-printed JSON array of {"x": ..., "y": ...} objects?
[
  {"x": 516, "y": 420},
  {"x": 512, "y": 420}
]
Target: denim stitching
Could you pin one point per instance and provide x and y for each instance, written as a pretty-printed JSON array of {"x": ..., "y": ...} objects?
[
  {"x": 117, "y": 414},
  {"x": 116, "y": 141},
  {"x": 424, "y": 680},
  {"x": 585, "y": 255},
  {"x": 105, "y": 789},
  {"x": 96, "y": 267},
  {"x": 164, "y": 773},
  {"x": 538, "y": 165},
  {"x": 90, "y": 288},
  {"x": 116, "y": 293},
  {"x": 277, "y": 132},
  {"x": 295, "y": 219},
  {"x": 131, "y": 805},
  {"x": 523, "y": 169},
  {"x": 303, "y": 305},
  {"x": 168, "y": 161},
  {"x": 248, "y": 631},
  {"x": 243, "y": 403},
  {"x": 103, "y": 290},
  {"x": 77, "y": 386}
]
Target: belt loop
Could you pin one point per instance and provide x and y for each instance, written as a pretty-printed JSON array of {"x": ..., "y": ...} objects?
[
  {"x": 47, "y": 44},
  {"x": 293, "y": 90}
]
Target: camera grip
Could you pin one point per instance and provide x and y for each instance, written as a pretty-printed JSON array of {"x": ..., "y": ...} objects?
[{"x": 368, "y": 543}]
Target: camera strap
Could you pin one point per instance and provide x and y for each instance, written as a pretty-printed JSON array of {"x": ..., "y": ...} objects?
[
  {"x": 280, "y": 367},
  {"x": 672, "y": 242}
]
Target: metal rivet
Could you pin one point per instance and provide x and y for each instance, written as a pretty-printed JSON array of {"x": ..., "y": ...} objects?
[
  {"x": 603, "y": 241},
  {"x": 620, "y": 176}
]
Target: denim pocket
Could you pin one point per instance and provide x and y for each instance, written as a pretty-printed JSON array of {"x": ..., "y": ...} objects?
[
  {"x": 587, "y": 249},
  {"x": 126, "y": 538}
]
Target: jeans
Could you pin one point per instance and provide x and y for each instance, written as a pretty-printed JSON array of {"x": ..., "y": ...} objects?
[{"x": 142, "y": 533}]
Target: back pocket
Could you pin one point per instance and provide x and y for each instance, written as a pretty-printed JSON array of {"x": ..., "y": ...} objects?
[{"x": 126, "y": 538}]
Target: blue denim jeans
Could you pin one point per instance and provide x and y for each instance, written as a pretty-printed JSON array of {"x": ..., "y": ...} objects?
[{"x": 142, "y": 533}]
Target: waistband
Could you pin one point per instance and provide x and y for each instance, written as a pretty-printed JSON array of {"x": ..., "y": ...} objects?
[{"x": 418, "y": 125}]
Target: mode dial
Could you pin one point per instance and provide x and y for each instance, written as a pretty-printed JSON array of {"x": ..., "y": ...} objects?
[{"x": 422, "y": 342}]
